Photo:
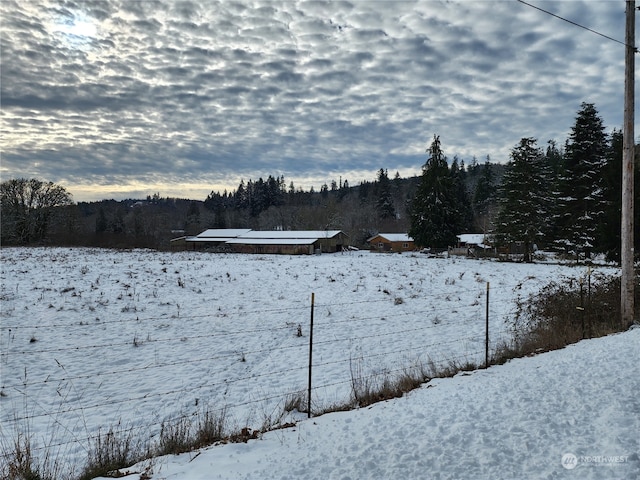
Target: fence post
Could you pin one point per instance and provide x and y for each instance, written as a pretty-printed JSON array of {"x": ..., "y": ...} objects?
[
  {"x": 310, "y": 356},
  {"x": 581, "y": 308},
  {"x": 589, "y": 319},
  {"x": 486, "y": 340}
]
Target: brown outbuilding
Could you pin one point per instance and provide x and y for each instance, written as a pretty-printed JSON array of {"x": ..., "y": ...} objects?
[{"x": 391, "y": 242}]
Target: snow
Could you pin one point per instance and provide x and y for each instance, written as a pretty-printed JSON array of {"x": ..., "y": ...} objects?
[
  {"x": 393, "y": 237},
  {"x": 263, "y": 237},
  {"x": 223, "y": 233},
  {"x": 571, "y": 413},
  {"x": 271, "y": 241},
  {"x": 93, "y": 339},
  {"x": 289, "y": 234},
  {"x": 472, "y": 238}
]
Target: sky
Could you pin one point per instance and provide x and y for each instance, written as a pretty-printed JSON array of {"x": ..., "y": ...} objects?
[{"x": 127, "y": 98}]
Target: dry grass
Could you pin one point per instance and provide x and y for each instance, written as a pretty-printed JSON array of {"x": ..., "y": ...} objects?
[
  {"x": 297, "y": 401},
  {"x": 175, "y": 437},
  {"x": 111, "y": 451},
  {"x": 189, "y": 433},
  {"x": 372, "y": 388},
  {"x": 210, "y": 428},
  {"x": 22, "y": 459},
  {"x": 19, "y": 463}
]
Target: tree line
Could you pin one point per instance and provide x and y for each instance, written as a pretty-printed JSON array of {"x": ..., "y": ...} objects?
[{"x": 567, "y": 199}]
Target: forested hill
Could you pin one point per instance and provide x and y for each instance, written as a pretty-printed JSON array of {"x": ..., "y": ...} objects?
[{"x": 361, "y": 210}]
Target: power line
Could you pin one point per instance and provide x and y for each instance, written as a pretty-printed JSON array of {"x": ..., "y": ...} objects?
[{"x": 578, "y": 25}]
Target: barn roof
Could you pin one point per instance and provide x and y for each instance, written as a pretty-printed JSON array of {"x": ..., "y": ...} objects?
[
  {"x": 271, "y": 241},
  {"x": 221, "y": 233},
  {"x": 210, "y": 239},
  {"x": 393, "y": 237},
  {"x": 471, "y": 238},
  {"x": 263, "y": 237},
  {"x": 289, "y": 234}
]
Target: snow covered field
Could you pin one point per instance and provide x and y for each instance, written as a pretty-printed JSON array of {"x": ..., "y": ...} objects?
[
  {"x": 568, "y": 414},
  {"x": 93, "y": 339}
]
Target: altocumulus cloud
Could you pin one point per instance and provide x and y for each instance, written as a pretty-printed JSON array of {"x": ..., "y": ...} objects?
[{"x": 118, "y": 98}]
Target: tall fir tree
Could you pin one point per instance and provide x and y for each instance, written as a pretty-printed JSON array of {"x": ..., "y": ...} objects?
[
  {"x": 435, "y": 216},
  {"x": 523, "y": 197},
  {"x": 554, "y": 159},
  {"x": 384, "y": 203},
  {"x": 609, "y": 232},
  {"x": 484, "y": 198},
  {"x": 459, "y": 179},
  {"x": 581, "y": 201}
]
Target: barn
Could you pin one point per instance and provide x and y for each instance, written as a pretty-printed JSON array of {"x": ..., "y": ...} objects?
[
  {"x": 211, "y": 238},
  {"x": 286, "y": 246},
  {"x": 291, "y": 242},
  {"x": 391, "y": 242}
]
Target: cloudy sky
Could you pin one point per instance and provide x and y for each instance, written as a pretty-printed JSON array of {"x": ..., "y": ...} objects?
[{"x": 125, "y": 98}]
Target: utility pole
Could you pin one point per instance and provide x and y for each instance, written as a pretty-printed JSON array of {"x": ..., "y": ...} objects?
[{"x": 627, "y": 255}]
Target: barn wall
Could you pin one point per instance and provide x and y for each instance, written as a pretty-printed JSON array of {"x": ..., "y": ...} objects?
[
  {"x": 273, "y": 249},
  {"x": 388, "y": 246}
]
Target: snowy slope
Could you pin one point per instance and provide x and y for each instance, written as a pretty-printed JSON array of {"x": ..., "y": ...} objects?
[{"x": 515, "y": 421}]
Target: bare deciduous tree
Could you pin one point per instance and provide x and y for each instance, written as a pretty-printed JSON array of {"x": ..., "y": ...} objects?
[{"x": 27, "y": 206}]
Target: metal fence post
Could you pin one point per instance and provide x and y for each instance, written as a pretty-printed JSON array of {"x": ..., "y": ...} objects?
[
  {"x": 486, "y": 340},
  {"x": 310, "y": 356},
  {"x": 589, "y": 319},
  {"x": 584, "y": 335}
]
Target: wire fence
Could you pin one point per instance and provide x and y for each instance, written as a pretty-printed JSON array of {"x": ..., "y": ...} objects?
[{"x": 247, "y": 365}]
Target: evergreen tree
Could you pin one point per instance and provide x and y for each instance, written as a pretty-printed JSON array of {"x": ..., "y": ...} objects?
[
  {"x": 581, "y": 190},
  {"x": 609, "y": 239},
  {"x": 610, "y": 230},
  {"x": 459, "y": 179},
  {"x": 192, "y": 223},
  {"x": 523, "y": 200},
  {"x": 344, "y": 189},
  {"x": 363, "y": 191},
  {"x": 273, "y": 192},
  {"x": 384, "y": 204},
  {"x": 241, "y": 196},
  {"x": 554, "y": 159},
  {"x": 434, "y": 212},
  {"x": 484, "y": 197},
  {"x": 101, "y": 221}
]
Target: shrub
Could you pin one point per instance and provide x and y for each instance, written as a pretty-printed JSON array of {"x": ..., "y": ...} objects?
[{"x": 564, "y": 313}]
